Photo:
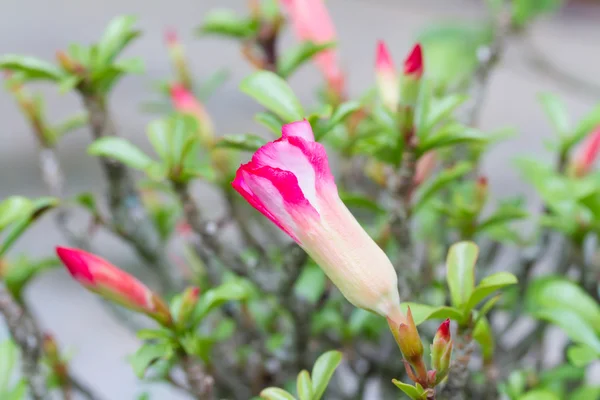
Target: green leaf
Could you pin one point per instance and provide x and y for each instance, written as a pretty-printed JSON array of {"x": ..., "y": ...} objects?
[
  {"x": 460, "y": 269},
  {"x": 323, "y": 371},
  {"x": 293, "y": 58},
  {"x": 311, "y": 283},
  {"x": 433, "y": 185},
  {"x": 552, "y": 292},
  {"x": 581, "y": 355},
  {"x": 213, "y": 298},
  {"x": 304, "y": 386},
  {"x": 354, "y": 200},
  {"x": 8, "y": 360},
  {"x": 246, "y": 142},
  {"x": 586, "y": 393},
  {"x": 501, "y": 217},
  {"x": 577, "y": 328},
  {"x": 117, "y": 36},
  {"x": 32, "y": 68},
  {"x": 274, "y": 393},
  {"x": 121, "y": 150},
  {"x": 20, "y": 272},
  {"x": 39, "y": 207},
  {"x": 539, "y": 394},
  {"x": 557, "y": 113},
  {"x": 272, "y": 92},
  {"x": 225, "y": 22},
  {"x": 584, "y": 128},
  {"x": 414, "y": 392},
  {"x": 68, "y": 83},
  {"x": 424, "y": 312},
  {"x": 146, "y": 355},
  {"x": 489, "y": 285},
  {"x": 272, "y": 122},
  {"x": 524, "y": 11},
  {"x": 451, "y": 135},
  {"x": 341, "y": 113},
  {"x": 12, "y": 209},
  {"x": 482, "y": 333},
  {"x": 69, "y": 125},
  {"x": 440, "y": 111}
]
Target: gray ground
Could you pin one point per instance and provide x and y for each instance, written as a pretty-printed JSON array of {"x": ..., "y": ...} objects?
[{"x": 572, "y": 40}]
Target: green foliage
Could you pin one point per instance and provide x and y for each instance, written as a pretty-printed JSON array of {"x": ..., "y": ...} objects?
[
  {"x": 295, "y": 57},
  {"x": 9, "y": 389},
  {"x": 30, "y": 68},
  {"x": 213, "y": 298},
  {"x": 226, "y": 23},
  {"x": 415, "y": 392},
  {"x": 273, "y": 93},
  {"x": 246, "y": 142}
]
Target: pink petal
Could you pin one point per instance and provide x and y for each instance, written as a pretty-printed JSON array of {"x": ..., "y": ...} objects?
[
  {"x": 413, "y": 65},
  {"x": 383, "y": 59},
  {"x": 299, "y": 128}
]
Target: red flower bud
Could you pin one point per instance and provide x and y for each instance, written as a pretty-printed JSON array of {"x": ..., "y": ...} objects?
[
  {"x": 189, "y": 299},
  {"x": 441, "y": 351},
  {"x": 103, "y": 278},
  {"x": 413, "y": 65},
  {"x": 587, "y": 155}
]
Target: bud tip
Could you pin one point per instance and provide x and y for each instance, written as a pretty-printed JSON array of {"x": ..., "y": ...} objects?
[{"x": 413, "y": 65}]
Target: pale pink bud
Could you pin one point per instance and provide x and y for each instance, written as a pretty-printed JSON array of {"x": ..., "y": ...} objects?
[
  {"x": 387, "y": 78},
  {"x": 587, "y": 155},
  {"x": 184, "y": 101},
  {"x": 425, "y": 167},
  {"x": 171, "y": 38},
  {"x": 103, "y": 278},
  {"x": 290, "y": 182},
  {"x": 311, "y": 21}
]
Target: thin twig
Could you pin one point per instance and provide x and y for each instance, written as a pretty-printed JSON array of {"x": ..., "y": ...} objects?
[{"x": 201, "y": 384}]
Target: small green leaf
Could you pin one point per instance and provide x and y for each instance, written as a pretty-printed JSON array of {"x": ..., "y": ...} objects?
[
  {"x": 12, "y": 209},
  {"x": 581, "y": 355},
  {"x": 424, "y": 312},
  {"x": 31, "y": 68},
  {"x": 502, "y": 217},
  {"x": 154, "y": 334},
  {"x": 8, "y": 360},
  {"x": 246, "y": 142},
  {"x": 225, "y": 22},
  {"x": 213, "y": 298},
  {"x": 460, "y": 268},
  {"x": 69, "y": 125},
  {"x": 414, "y": 392},
  {"x": 274, "y": 393},
  {"x": 440, "y": 111},
  {"x": 293, "y": 58},
  {"x": 433, "y": 185},
  {"x": 451, "y": 135},
  {"x": 146, "y": 355},
  {"x": 539, "y": 394},
  {"x": 557, "y": 113},
  {"x": 489, "y": 285},
  {"x": 20, "y": 272},
  {"x": 117, "y": 36},
  {"x": 121, "y": 150},
  {"x": 272, "y": 92},
  {"x": 585, "y": 126},
  {"x": 323, "y": 371},
  {"x": 304, "y": 386},
  {"x": 341, "y": 113},
  {"x": 272, "y": 122},
  {"x": 586, "y": 393},
  {"x": 68, "y": 83},
  {"x": 573, "y": 324}
]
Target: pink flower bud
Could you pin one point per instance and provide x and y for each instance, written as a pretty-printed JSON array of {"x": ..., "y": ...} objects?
[
  {"x": 171, "y": 38},
  {"x": 289, "y": 181},
  {"x": 587, "y": 155},
  {"x": 178, "y": 59},
  {"x": 189, "y": 299},
  {"x": 425, "y": 167},
  {"x": 387, "y": 79},
  {"x": 441, "y": 351},
  {"x": 408, "y": 339},
  {"x": 184, "y": 102},
  {"x": 413, "y": 65},
  {"x": 103, "y": 278},
  {"x": 311, "y": 21}
]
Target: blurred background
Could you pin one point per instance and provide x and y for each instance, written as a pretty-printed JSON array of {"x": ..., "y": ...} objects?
[{"x": 569, "y": 41}]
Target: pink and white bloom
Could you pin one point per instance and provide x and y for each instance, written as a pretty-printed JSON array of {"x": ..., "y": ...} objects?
[
  {"x": 103, "y": 278},
  {"x": 387, "y": 78},
  {"x": 311, "y": 21},
  {"x": 185, "y": 102},
  {"x": 290, "y": 182},
  {"x": 584, "y": 159}
]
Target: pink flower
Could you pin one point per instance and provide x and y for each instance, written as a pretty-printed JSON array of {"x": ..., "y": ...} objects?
[
  {"x": 289, "y": 181},
  {"x": 413, "y": 65},
  {"x": 184, "y": 101},
  {"x": 311, "y": 21},
  {"x": 587, "y": 155},
  {"x": 100, "y": 276},
  {"x": 387, "y": 79}
]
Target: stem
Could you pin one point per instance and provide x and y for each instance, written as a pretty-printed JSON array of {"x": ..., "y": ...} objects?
[
  {"x": 458, "y": 376},
  {"x": 201, "y": 384},
  {"x": 24, "y": 332},
  {"x": 129, "y": 217}
]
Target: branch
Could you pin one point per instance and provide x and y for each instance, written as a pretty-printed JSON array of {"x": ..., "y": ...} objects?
[
  {"x": 201, "y": 384},
  {"x": 458, "y": 377},
  {"x": 24, "y": 332}
]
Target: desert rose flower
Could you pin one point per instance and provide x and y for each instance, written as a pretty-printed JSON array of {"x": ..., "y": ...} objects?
[
  {"x": 289, "y": 181},
  {"x": 311, "y": 21},
  {"x": 387, "y": 78},
  {"x": 103, "y": 278},
  {"x": 585, "y": 158}
]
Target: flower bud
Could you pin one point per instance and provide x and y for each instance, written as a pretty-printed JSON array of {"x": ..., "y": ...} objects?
[
  {"x": 411, "y": 78},
  {"x": 189, "y": 299},
  {"x": 408, "y": 340},
  {"x": 481, "y": 192},
  {"x": 184, "y": 101},
  {"x": 387, "y": 79},
  {"x": 50, "y": 347},
  {"x": 58, "y": 366},
  {"x": 587, "y": 155},
  {"x": 69, "y": 64},
  {"x": 103, "y": 278},
  {"x": 177, "y": 56},
  {"x": 441, "y": 351},
  {"x": 425, "y": 167}
]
